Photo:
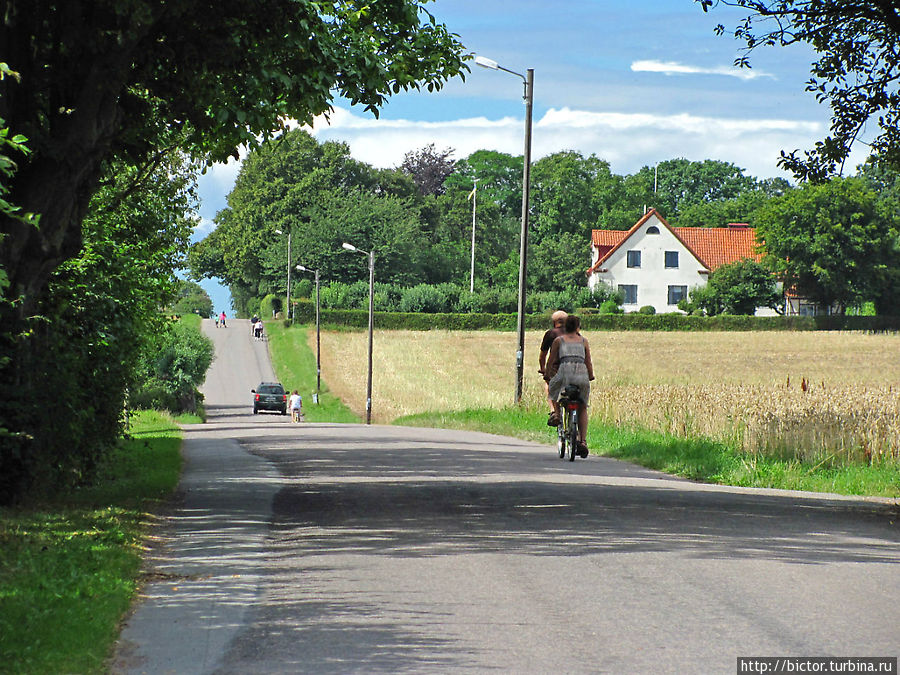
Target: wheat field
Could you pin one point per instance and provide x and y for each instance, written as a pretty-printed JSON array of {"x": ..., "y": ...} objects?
[{"x": 808, "y": 394}]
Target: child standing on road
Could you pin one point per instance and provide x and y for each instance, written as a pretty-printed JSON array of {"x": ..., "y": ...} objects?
[{"x": 296, "y": 407}]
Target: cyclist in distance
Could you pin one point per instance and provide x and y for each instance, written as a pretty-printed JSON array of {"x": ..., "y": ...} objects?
[
  {"x": 559, "y": 321},
  {"x": 570, "y": 363}
]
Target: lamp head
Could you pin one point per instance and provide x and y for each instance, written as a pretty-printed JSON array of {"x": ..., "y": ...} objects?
[
  {"x": 485, "y": 62},
  {"x": 301, "y": 268},
  {"x": 278, "y": 232},
  {"x": 349, "y": 247}
]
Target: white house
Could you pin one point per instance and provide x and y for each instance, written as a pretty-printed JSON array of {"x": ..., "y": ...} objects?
[{"x": 656, "y": 264}]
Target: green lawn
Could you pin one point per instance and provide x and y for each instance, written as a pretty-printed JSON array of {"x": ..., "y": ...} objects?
[
  {"x": 694, "y": 458},
  {"x": 295, "y": 365},
  {"x": 69, "y": 565}
]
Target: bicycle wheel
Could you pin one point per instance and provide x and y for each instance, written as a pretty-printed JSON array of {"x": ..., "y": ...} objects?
[
  {"x": 561, "y": 438},
  {"x": 572, "y": 434}
]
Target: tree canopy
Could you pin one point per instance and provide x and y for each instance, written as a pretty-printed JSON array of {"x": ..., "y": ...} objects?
[
  {"x": 856, "y": 71},
  {"x": 832, "y": 242},
  {"x": 102, "y": 79}
]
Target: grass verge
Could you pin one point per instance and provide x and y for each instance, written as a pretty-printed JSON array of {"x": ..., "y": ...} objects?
[
  {"x": 69, "y": 564},
  {"x": 696, "y": 459},
  {"x": 295, "y": 365}
]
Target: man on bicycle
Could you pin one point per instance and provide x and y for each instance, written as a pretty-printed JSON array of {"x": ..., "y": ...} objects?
[{"x": 559, "y": 321}]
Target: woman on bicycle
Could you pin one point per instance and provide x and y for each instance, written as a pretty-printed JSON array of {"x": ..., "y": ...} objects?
[{"x": 573, "y": 355}]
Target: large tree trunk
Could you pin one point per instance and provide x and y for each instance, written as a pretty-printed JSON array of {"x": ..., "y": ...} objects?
[{"x": 57, "y": 181}]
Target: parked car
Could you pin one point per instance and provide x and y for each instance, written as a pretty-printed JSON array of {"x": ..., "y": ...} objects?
[{"x": 270, "y": 396}]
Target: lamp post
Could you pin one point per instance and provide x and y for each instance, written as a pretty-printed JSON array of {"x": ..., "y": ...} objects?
[
  {"x": 371, "y": 254},
  {"x": 301, "y": 268},
  {"x": 474, "y": 195},
  {"x": 287, "y": 304},
  {"x": 528, "y": 81}
]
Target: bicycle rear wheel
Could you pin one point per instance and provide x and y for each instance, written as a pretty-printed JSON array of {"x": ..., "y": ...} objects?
[
  {"x": 561, "y": 439},
  {"x": 571, "y": 434}
]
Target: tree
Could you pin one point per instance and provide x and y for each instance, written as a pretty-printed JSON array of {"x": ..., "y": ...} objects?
[
  {"x": 128, "y": 79},
  {"x": 856, "y": 71},
  {"x": 741, "y": 287},
  {"x": 428, "y": 168},
  {"x": 681, "y": 183},
  {"x": 323, "y": 197},
  {"x": 563, "y": 193},
  {"x": 833, "y": 242},
  {"x": 499, "y": 177},
  {"x": 101, "y": 309},
  {"x": 192, "y": 299}
]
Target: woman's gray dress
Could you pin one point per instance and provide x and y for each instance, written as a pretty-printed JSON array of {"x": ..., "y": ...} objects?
[{"x": 572, "y": 370}]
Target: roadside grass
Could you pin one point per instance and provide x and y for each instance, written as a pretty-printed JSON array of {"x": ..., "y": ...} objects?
[
  {"x": 693, "y": 458},
  {"x": 295, "y": 365},
  {"x": 69, "y": 564}
]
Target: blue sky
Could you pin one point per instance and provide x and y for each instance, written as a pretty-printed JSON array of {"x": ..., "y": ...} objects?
[{"x": 633, "y": 82}]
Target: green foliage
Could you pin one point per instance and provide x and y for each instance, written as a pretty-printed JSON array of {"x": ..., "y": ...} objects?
[
  {"x": 192, "y": 299},
  {"x": 269, "y": 306},
  {"x": 69, "y": 563},
  {"x": 743, "y": 286},
  {"x": 303, "y": 288},
  {"x": 423, "y": 298},
  {"x": 161, "y": 75},
  {"x": 100, "y": 311},
  {"x": 835, "y": 242},
  {"x": 610, "y": 307},
  {"x": 736, "y": 288},
  {"x": 172, "y": 369},
  {"x": 613, "y": 321},
  {"x": 647, "y": 309},
  {"x": 855, "y": 72}
]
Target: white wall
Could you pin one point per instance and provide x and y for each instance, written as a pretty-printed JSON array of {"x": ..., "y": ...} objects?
[{"x": 652, "y": 278}]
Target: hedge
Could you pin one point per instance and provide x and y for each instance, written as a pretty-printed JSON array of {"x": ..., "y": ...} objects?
[{"x": 355, "y": 318}]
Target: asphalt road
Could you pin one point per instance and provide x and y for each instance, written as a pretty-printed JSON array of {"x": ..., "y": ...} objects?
[{"x": 319, "y": 548}]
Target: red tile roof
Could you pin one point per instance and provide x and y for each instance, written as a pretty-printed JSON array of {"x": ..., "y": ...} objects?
[
  {"x": 717, "y": 246},
  {"x": 713, "y": 246}
]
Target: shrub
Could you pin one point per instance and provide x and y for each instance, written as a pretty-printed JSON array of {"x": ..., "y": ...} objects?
[
  {"x": 610, "y": 307},
  {"x": 270, "y": 305},
  {"x": 179, "y": 366},
  {"x": 647, "y": 309},
  {"x": 303, "y": 288},
  {"x": 423, "y": 298}
]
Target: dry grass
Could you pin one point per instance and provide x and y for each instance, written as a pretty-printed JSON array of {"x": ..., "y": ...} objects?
[{"x": 815, "y": 395}]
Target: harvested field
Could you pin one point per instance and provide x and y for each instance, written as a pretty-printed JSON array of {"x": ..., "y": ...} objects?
[{"x": 828, "y": 395}]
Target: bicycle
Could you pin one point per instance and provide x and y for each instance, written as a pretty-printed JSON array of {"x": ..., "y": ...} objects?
[{"x": 567, "y": 430}]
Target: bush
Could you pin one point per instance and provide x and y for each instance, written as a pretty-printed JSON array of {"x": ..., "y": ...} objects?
[
  {"x": 647, "y": 309},
  {"x": 610, "y": 307},
  {"x": 423, "y": 298},
  {"x": 177, "y": 367},
  {"x": 270, "y": 305},
  {"x": 303, "y": 288}
]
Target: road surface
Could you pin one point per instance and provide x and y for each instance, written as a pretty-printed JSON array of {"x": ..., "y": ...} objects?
[{"x": 324, "y": 548}]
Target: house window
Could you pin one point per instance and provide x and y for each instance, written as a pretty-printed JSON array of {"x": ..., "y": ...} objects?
[
  {"x": 671, "y": 260},
  {"x": 653, "y": 229},
  {"x": 677, "y": 293},
  {"x": 629, "y": 293},
  {"x": 633, "y": 258}
]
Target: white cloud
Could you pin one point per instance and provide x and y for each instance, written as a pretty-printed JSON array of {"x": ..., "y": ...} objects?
[
  {"x": 627, "y": 140},
  {"x": 675, "y": 68},
  {"x": 203, "y": 228}
]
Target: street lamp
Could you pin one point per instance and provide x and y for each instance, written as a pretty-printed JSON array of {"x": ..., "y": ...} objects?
[
  {"x": 371, "y": 254},
  {"x": 528, "y": 80},
  {"x": 301, "y": 268},
  {"x": 287, "y": 305}
]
